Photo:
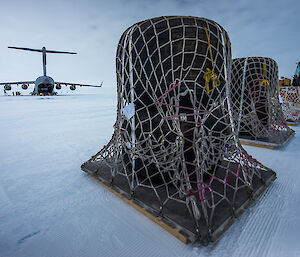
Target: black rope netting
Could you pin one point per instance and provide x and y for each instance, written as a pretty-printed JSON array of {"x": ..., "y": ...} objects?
[
  {"x": 255, "y": 97},
  {"x": 290, "y": 97},
  {"x": 175, "y": 135}
]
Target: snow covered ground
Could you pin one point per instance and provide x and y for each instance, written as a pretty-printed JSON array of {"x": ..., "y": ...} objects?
[{"x": 49, "y": 207}]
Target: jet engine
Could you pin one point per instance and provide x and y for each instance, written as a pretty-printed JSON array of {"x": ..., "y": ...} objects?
[
  {"x": 24, "y": 86},
  {"x": 7, "y": 87},
  {"x": 72, "y": 87}
]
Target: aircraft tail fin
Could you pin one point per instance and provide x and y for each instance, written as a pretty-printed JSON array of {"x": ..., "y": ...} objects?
[
  {"x": 40, "y": 50},
  {"x": 59, "y": 52},
  {"x": 44, "y": 51},
  {"x": 25, "y": 48}
]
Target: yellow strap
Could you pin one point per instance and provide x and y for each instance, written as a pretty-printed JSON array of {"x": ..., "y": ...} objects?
[
  {"x": 209, "y": 74},
  {"x": 264, "y": 82},
  {"x": 209, "y": 46}
]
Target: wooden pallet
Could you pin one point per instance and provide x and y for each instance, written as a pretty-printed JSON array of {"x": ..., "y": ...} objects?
[
  {"x": 257, "y": 144},
  {"x": 174, "y": 231},
  {"x": 264, "y": 144},
  {"x": 174, "y": 219},
  {"x": 293, "y": 124}
]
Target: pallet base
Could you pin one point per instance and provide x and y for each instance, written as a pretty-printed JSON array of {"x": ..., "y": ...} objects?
[
  {"x": 292, "y": 123},
  {"x": 257, "y": 144},
  {"x": 174, "y": 219},
  {"x": 265, "y": 144},
  {"x": 175, "y": 232}
]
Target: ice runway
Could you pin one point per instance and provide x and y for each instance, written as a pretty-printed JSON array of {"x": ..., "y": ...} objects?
[{"x": 49, "y": 207}]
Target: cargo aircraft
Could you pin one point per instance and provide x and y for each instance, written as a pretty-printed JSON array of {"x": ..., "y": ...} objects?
[{"x": 43, "y": 85}]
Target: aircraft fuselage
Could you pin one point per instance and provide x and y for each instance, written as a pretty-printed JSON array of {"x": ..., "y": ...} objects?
[{"x": 44, "y": 85}]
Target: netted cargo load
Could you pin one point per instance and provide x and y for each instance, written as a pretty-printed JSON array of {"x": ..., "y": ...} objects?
[
  {"x": 290, "y": 103},
  {"x": 256, "y": 106},
  {"x": 174, "y": 154}
]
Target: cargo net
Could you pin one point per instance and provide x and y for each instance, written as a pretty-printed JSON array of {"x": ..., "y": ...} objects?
[
  {"x": 174, "y": 143},
  {"x": 290, "y": 103},
  {"x": 255, "y": 97}
]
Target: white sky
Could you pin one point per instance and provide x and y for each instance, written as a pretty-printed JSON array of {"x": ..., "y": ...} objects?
[{"x": 92, "y": 29}]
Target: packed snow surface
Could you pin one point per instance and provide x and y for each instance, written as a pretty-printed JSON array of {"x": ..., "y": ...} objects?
[{"x": 49, "y": 207}]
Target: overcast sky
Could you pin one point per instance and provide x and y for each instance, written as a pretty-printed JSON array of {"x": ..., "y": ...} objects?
[{"x": 93, "y": 27}]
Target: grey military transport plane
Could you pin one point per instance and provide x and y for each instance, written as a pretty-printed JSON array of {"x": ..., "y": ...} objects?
[{"x": 43, "y": 85}]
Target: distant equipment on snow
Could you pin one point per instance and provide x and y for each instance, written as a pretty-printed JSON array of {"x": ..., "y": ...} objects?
[
  {"x": 296, "y": 77},
  {"x": 175, "y": 154}
]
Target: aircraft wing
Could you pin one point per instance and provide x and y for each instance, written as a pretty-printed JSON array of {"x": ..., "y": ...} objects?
[
  {"x": 17, "y": 83},
  {"x": 76, "y": 84}
]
